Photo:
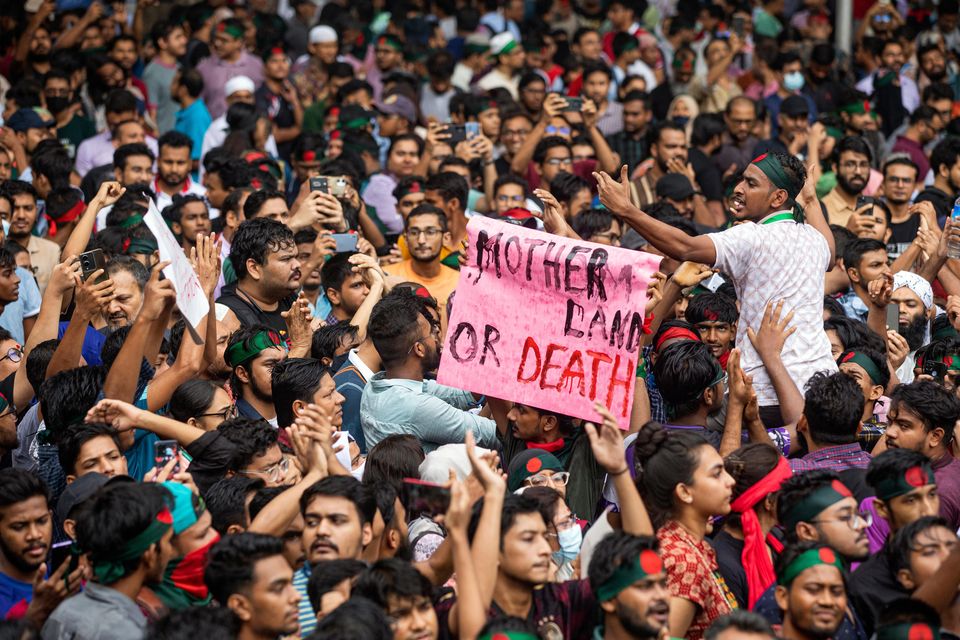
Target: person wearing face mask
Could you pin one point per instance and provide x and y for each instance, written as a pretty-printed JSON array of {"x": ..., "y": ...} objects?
[
  {"x": 788, "y": 70},
  {"x": 564, "y": 532},
  {"x": 72, "y": 127},
  {"x": 193, "y": 537}
]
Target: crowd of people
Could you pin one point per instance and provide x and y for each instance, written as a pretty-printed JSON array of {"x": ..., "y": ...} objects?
[{"x": 289, "y": 466}]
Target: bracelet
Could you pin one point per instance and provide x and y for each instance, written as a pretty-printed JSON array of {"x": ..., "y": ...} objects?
[
  {"x": 489, "y": 162},
  {"x": 620, "y": 473}
]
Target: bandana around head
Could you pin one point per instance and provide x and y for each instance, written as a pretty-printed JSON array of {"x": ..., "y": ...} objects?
[
  {"x": 530, "y": 463},
  {"x": 772, "y": 168},
  {"x": 915, "y": 283},
  {"x": 248, "y": 349},
  {"x": 822, "y": 498},
  {"x": 110, "y": 568},
  {"x": 902, "y": 484},
  {"x": 647, "y": 563},
  {"x": 231, "y": 30},
  {"x": 808, "y": 559},
  {"x": 864, "y": 361},
  {"x": 908, "y": 631}
]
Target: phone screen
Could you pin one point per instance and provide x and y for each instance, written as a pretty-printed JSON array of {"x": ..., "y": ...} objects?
[
  {"x": 893, "y": 317},
  {"x": 425, "y": 497},
  {"x": 163, "y": 452}
]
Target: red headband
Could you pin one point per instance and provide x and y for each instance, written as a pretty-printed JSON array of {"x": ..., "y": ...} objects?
[
  {"x": 72, "y": 214},
  {"x": 756, "y": 560},
  {"x": 675, "y": 332}
]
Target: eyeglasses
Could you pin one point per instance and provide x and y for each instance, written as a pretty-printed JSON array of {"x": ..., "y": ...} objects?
[
  {"x": 559, "y": 479},
  {"x": 225, "y": 414},
  {"x": 15, "y": 354},
  {"x": 558, "y": 131},
  {"x": 853, "y": 164},
  {"x": 515, "y": 133},
  {"x": 556, "y": 162},
  {"x": 431, "y": 233},
  {"x": 434, "y": 333},
  {"x": 505, "y": 198},
  {"x": 852, "y": 520},
  {"x": 275, "y": 472},
  {"x": 609, "y": 236},
  {"x": 563, "y": 525}
]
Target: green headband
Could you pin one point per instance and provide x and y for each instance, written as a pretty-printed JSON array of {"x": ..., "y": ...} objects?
[
  {"x": 834, "y": 132},
  {"x": 629, "y": 45},
  {"x": 822, "y": 498},
  {"x": 507, "y": 48},
  {"x": 908, "y": 631},
  {"x": 109, "y": 570},
  {"x": 855, "y": 108},
  {"x": 866, "y": 363},
  {"x": 231, "y": 30},
  {"x": 353, "y": 125},
  {"x": 132, "y": 221},
  {"x": 142, "y": 246},
  {"x": 807, "y": 559},
  {"x": 250, "y": 348},
  {"x": 391, "y": 41},
  {"x": 646, "y": 563},
  {"x": 772, "y": 168},
  {"x": 913, "y": 478},
  {"x": 509, "y": 635}
]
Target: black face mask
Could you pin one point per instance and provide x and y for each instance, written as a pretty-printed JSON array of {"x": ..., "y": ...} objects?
[
  {"x": 57, "y": 104},
  {"x": 38, "y": 57}
]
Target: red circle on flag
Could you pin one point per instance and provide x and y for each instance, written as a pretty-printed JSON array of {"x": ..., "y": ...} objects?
[
  {"x": 915, "y": 477},
  {"x": 920, "y": 631},
  {"x": 650, "y": 562},
  {"x": 840, "y": 488},
  {"x": 827, "y": 555},
  {"x": 499, "y": 636},
  {"x": 534, "y": 465}
]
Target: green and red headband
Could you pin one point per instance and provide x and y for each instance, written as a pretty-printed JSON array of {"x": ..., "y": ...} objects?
[
  {"x": 232, "y": 30},
  {"x": 647, "y": 563},
  {"x": 822, "y": 498},
  {"x": 110, "y": 569},
  {"x": 413, "y": 187},
  {"x": 807, "y": 560},
  {"x": 391, "y": 41},
  {"x": 857, "y": 108},
  {"x": 908, "y": 631},
  {"x": 952, "y": 361},
  {"x": 864, "y": 361},
  {"x": 902, "y": 484},
  {"x": 509, "y": 635},
  {"x": 771, "y": 167},
  {"x": 246, "y": 350}
]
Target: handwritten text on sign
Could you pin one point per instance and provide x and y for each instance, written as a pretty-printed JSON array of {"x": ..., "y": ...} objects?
[
  {"x": 190, "y": 296},
  {"x": 547, "y": 321}
]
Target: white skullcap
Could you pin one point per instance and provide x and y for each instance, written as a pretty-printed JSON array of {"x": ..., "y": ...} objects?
[
  {"x": 238, "y": 83},
  {"x": 915, "y": 283},
  {"x": 221, "y": 311},
  {"x": 437, "y": 464},
  {"x": 322, "y": 33}
]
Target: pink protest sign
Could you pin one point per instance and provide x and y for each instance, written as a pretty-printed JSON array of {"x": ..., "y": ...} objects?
[{"x": 547, "y": 321}]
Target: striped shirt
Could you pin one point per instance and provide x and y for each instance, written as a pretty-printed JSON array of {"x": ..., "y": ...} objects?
[{"x": 308, "y": 619}]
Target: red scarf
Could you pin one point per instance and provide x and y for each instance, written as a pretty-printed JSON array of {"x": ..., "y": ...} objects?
[
  {"x": 72, "y": 214},
  {"x": 549, "y": 447},
  {"x": 756, "y": 561}
]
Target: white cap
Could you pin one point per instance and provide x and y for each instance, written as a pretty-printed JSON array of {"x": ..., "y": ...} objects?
[
  {"x": 221, "y": 311},
  {"x": 239, "y": 83},
  {"x": 322, "y": 33},
  {"x": 501, "y": 43}
]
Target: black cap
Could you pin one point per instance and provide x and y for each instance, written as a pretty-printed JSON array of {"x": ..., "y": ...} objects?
[
  {"x": 795, "y": 106},
  {"x": 675, "y": 186},
  {"x": 81, "y": 489}
]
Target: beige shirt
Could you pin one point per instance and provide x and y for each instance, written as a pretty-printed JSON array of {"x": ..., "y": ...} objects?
[
  {"x": 44, "y": 257},
  {"x": 837, "y": 207}
]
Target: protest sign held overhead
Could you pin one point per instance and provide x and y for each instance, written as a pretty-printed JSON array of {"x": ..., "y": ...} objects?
[{"x": 547, "y": 321}]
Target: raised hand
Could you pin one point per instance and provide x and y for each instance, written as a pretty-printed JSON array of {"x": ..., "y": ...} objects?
[
  {"x": 298, "y": 320},
  {"x": 457, "y": 517},
  {"x": 120, "y": 415},
  {"x": 690, "y": 274},
  {"x": 606, "y": 441},
  {"x": 205, "y": 258},
  {"x": 552, "y": 216},
  {"x": 92, "y": 296},
  {"x": 368, "y": 267},
  {"x": 485, "y": 467},
  {"x": 897, "y": 349},
  {"x": 880, "y": 291},
  {"x": 48, "y": 593},
  {"x": 109, "y": 193},
  {"x": 157, "y": 294},
  {"x": 65, "y": 276},
  {"x": 739, "y": 384},
  {"x": 614, "y": 195},
  {"x": 773, "y": 332}
]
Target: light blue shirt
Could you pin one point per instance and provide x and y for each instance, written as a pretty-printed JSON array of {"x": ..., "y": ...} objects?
[
  {"x": 27, "y": 305},
  {"x": 432, "y": 412},
  {"x": 853, "y": 306}
]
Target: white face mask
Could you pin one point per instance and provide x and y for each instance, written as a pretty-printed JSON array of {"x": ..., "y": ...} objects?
[
  {"x": 570, "y": 540},
  {"x": 358, "y": 472},
  {"x": 793, "y": 81}
]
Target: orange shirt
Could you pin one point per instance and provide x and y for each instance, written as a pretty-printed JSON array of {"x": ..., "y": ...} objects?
[{"x": 440, "y": 287}]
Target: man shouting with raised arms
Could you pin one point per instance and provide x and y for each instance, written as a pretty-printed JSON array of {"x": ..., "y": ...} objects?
[{"x": 781, "y": 253}]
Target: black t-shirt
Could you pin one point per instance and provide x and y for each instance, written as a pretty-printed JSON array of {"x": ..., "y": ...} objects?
[
  {"x": 248, "y": 313},
  {"x": 280, "y": 113},
  {"x": 729, "y": 551},
  {"x": 711, "y": 184},
  {"x": 872, "y": 586},
  {"x": 902, "y": 234}
]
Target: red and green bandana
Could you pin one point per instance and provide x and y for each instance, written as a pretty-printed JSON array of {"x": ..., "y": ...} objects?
[
  {"x": 647, "y": 563},
  {"x": 864, "y": 361},
  {"x": 231, "y": 30},
  {"x": 806, "y": 560},
  {"x": 772, "y": 168},
  {"x": 822, "y": 498},
  {"x": 413, "y": 187},
  {"x": 857, "y": 108},
  {"x": 392, "y": 41},
  {"x": 108, "y": 570},
  {"x": 509, "y": 635},
  {"x": 952, "y": 361},
  {"x": 250, "y": 348},
  {"x": 908, "y": 631},
  {"x": 911, "y": 479}
]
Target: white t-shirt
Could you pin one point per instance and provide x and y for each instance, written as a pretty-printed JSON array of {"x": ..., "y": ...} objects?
[{"x": 778, "y": 261}]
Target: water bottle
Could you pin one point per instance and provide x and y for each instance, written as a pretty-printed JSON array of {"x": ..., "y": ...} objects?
[{"x": 953, "y": 246}]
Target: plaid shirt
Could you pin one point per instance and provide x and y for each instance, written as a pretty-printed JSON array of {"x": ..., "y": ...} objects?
[
  {"x": 658, "y": 410},
  {"x": 837, "y": 458}
]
